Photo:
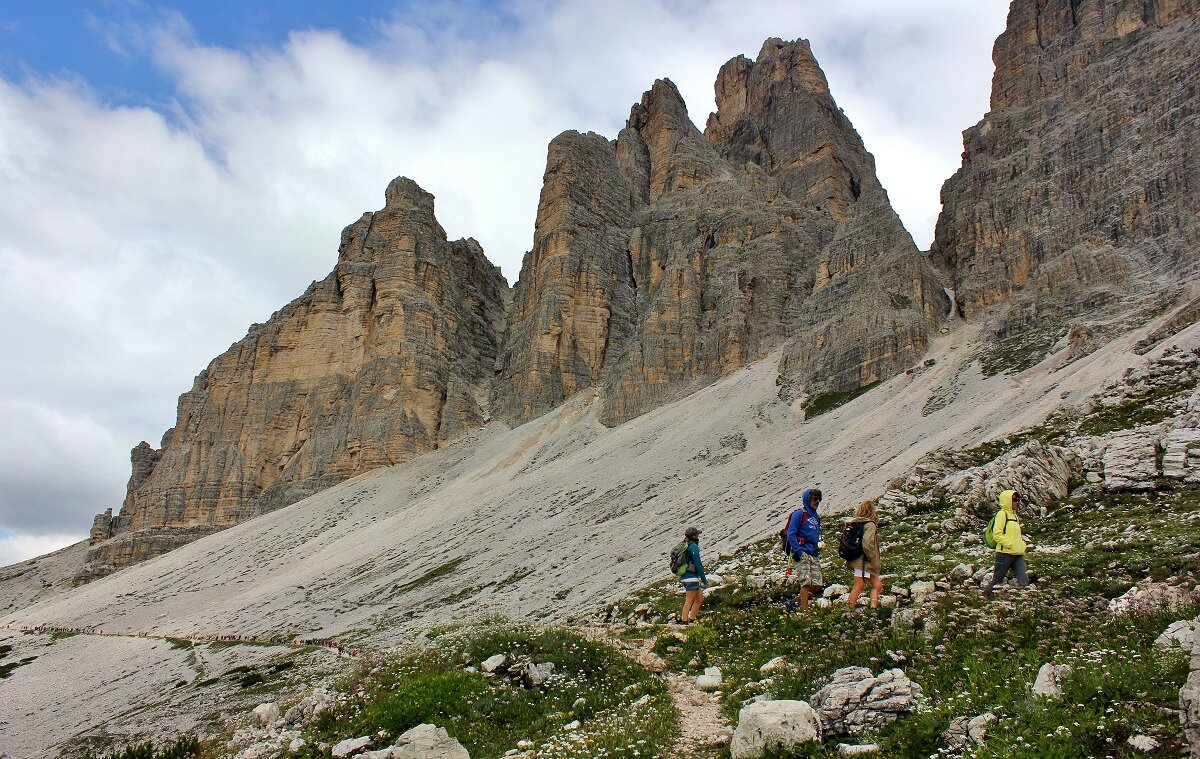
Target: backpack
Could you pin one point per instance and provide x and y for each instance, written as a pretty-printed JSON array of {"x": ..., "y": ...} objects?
[
  {"x": 679, "y": 559},
  {"x": 783, "y": 541},
  {"x": 850, "y": 546},
  {"x": 989, "y": 532}
]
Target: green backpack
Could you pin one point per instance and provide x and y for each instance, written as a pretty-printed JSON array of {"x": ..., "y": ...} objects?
[
  {"x": 679, "y": 560},
  {"x": 989, "y": 534}
]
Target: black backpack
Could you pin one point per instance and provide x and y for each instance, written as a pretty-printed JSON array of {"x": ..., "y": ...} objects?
[
  {"x": 679, "y": 560},
  {"x": 850, "y": 546}
]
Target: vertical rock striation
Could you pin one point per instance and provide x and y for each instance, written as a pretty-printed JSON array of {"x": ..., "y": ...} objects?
[
  {"x": 387, "y": 358},
  {"x": 1078, "y": 189},
  {"x": 691, "y": 254}
]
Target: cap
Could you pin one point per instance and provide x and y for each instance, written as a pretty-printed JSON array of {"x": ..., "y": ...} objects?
[{"x": 691, "y": 532}]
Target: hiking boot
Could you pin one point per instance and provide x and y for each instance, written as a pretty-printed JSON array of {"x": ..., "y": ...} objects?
[{"x": 790, "y": 605}]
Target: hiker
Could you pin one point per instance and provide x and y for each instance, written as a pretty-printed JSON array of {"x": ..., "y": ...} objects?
[
  {"x": 803, "y": 540},
  {"x": 1010, "y": 544},
  {"x": 693, "y": 578},
  {"x": 867, "y": 566}
]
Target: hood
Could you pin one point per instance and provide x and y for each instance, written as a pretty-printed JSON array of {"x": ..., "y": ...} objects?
[
  {"x": 806, "y": 499},
  {"x": 1006, "y": 497}
]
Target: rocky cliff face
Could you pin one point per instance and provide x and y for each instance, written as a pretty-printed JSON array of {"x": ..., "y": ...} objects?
[
  {"x": 1078, "y": 189},
  {"x": 385, "y": 359},
  {"x": 671, "y": 256}
]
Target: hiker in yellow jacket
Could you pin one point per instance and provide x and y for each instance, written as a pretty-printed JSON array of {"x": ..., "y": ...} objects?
[{"x": 1010, "y": 544}]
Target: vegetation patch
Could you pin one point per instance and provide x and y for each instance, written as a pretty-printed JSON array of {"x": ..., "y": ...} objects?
[
  {"x": 1017, "y": 353},
  {"x": 186, "y": 747},
  {"x": 622, "y": 711},
  {"x": 431, "y": 576},
  {"x": 829, "y": 401},
  {"x": 7, "y": 669}
]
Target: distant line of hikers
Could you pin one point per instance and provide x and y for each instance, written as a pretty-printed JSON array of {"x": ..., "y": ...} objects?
[{"x": 859, "y": 546}]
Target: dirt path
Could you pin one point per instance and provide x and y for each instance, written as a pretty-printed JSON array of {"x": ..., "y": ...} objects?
[{"x": 700, "y": 720}]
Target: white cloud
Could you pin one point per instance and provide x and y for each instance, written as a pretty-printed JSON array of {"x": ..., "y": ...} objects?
[
  {"x": 16, "y": 548},
  {"x": 137, "y": 243}
]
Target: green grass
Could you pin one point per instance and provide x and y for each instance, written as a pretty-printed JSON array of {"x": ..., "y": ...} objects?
[
  {"x": 623, "y": 710},
  {"x": 431, "y": 576},
  {"x": 1141, "y": 408},
  {"x": 829, "y": 401},
  {"x": 186, "y": 747},
  {"x": 1017, "y": 353}
]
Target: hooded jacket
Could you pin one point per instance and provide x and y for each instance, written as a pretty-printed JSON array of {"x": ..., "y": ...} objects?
[
  {"x": 1007, "y": 529},
  {"x": 804, "y": 528}
]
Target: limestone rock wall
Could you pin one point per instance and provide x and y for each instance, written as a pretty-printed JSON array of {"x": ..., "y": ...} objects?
[
  {"x": 1078, "y": 189},
  {"x": 387, "y": 358},
  {"x": 670, "y": 256}
]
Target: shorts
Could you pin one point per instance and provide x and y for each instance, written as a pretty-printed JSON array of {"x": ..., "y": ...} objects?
[
  {"x": 690, "y": 583},
  {"x": 806, "y": 570},
  {"x": 860, "y": 572}
]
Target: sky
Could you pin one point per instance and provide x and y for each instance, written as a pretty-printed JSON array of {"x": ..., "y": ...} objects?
[{"x": 171, "y": 173}]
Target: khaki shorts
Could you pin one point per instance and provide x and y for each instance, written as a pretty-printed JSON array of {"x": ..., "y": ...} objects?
[{"x": 806, "y": 570}]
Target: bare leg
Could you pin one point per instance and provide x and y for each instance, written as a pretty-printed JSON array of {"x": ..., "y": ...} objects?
[
  {"x": 855, "y": 590},
  {"x": 876, "y": 589},
  {"x": 807, "y": 592},
  {"x": 697, "y": 604}
]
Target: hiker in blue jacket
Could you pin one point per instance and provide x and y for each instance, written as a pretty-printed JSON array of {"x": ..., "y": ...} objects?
[
  {"x": 693, "y": 578},
  {"x": 804, "y": 538}
]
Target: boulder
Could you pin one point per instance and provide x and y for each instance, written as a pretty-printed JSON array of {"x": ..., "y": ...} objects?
[
  {"x": 921, "y": 589},
  {"x": 861, "y": 749},
  {"x": 1049, "y": 680},
  {"x": 350, "y": 746},
  {"x": 1189, "y": 702},
  {"x": 834, "y": 592},
  {"x": 538, "y": 674},
  {"x": 856, "y": 701},
  {"x": 1130, "y": 461},
  {"x": 1182, "y": 633},
  {"x": 710, "y": 680},
  {"x": 308, "y": 708},
  {"x": 493, "y": 663},
  {"x": 264, "y": 715},
  {"x": 1150, "y": 596},
  {"x": 961, "y": 572},
  {"x": 1181, "y": 454},
  {"x": 428, "y": 742},
  {"x": 779, "y": 662},
  {"x": 1041, "y": 472},
  {"x": 773, "y": 726}
]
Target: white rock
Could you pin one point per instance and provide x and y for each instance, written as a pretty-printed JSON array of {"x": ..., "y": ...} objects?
[
  {"x": 1049, "y": 680},
  {"x": 297, "y": 744},
  {"x": 855, "y": 701},
  {"x": 714, "y": 580},
  {"x": 887, "y": 601},
  {"x": 1182, "y": 633},
  {"x": 977, "y": 728},
  {"x": 960, "y": 573},
  {"x": 1143, "y": 743},
  {"x": 572, "y": 725},
  {"x": 773, "y": 725},
  {"x": 537, "y": 674},
  {"x": 350, "y": 746},
  {"x": 428, "y": 742},
  {"x": 1130, "y": 461},
  {"x": 493, "y": 663},
  {"x": 710, "y": 680},
  {"x": 1150, "y": 596},
  {"x": 264, "y": 715},
  {"x": 920, "y": 590},
  {"x": 846, "y": 749},
  {"x": 524, "y": 744},
  {"x": 835, "y": 591},
  {"x": 779, "y": 662}
]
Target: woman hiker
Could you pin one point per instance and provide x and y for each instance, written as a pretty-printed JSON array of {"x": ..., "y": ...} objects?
[
  {"x": 1010, "y": 543},
  {"x": 867, "y": 566},
  {"x": 693, "y": 578}
]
